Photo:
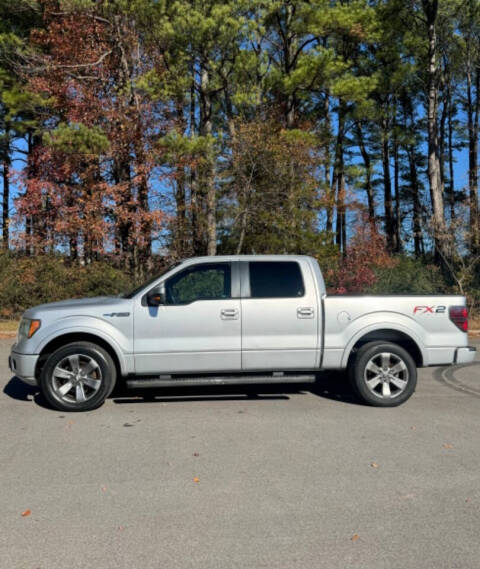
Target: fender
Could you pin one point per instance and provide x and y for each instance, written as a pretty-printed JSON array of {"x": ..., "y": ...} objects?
[
  {"x": 383, "y": 321},
  {"x": 97, "y": 327}
]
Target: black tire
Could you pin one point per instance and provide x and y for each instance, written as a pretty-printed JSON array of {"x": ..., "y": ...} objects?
[
  {"x": 104, "y": 373},
  {"x": 364, "y": 381}
]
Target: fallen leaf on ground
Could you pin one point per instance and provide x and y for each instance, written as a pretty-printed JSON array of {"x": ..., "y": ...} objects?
[
  {"x": 413, "y": 427},
  {"x": 355, "y": 537},
  {"x": 374, "y": 465},
  {"x": 104, "y": 488},
  {"x": 196, "y": 454},
  {"x": 196, "y": 479},
  {"x": 447, "y": 445},
  {"x": 408, "y": 496},
  {"x": 26, "y": 513}
]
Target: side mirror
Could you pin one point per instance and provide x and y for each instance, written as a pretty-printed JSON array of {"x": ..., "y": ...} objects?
[{"x": 156, "y": 297}]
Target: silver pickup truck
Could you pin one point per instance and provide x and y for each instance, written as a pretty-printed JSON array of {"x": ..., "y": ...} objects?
[{"x": 236, "y": 320}]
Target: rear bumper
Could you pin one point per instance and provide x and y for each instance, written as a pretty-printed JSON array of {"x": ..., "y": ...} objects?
[
  {"x": 465, "y": 355},
  {"x": 23, "y": 366}
]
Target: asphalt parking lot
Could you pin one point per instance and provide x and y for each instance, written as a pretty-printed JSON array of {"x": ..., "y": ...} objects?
[{"x": 209, "y": 478}]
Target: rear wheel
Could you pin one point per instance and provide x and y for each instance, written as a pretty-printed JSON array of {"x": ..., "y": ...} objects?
[
  {"x": 383, "y": 374},
  {"x": 78, "y": 377}
]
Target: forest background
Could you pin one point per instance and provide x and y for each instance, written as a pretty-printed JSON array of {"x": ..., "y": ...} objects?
[{"x": 137, "y": 132}]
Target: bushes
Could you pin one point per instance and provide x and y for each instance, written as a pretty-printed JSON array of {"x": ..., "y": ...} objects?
[
  {"x": 28, "y": 281},
  {"x": 408, "y": 276},
  {"x": 356, "y": 272}
]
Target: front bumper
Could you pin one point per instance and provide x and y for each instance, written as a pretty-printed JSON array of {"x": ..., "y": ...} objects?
[
  {"x": 23, "y": 366},
  {"x": 465, "y": 355}
]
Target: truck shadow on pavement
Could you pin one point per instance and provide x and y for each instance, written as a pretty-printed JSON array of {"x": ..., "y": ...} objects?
[
  {"x": 329, "y": 385},
  {"x": 17, "y": 389}
]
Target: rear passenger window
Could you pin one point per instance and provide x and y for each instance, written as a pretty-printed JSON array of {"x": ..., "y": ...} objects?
[{"x": 276, "y": 279}]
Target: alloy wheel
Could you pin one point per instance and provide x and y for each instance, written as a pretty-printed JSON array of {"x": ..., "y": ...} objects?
[
  {"x": 386, "y": 375},
  {"x": 77, "y": 378}
]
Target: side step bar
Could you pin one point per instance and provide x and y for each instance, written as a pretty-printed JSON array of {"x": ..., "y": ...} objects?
[{"x": 226, "y": 380}]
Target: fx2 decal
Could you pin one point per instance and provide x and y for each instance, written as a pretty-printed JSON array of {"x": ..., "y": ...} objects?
[{"x": 429, "y": 309}]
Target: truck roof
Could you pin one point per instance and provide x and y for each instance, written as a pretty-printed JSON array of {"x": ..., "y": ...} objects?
[{"x": 218, "y": 258}]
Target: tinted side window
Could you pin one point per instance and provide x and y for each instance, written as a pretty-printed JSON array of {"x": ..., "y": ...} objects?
[
  {"x": 201, "y": 282},
  {"x": 276, "y": 279}
]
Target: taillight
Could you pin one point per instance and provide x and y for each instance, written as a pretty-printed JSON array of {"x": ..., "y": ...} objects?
[{"x": 459, "y": 316}]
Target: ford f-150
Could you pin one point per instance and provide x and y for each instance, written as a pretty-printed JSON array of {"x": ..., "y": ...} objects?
[{"x": 236, "y": 320}]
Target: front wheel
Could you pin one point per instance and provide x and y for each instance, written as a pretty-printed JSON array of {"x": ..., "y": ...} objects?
[
  {"x": 383, "y": 374},
  {"x": 78, "y": 377}
]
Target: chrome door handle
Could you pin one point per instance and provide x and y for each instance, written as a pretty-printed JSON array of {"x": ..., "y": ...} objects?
[
  {"x": 229, "y": 314},
  {"x": 305, "y": 312}
]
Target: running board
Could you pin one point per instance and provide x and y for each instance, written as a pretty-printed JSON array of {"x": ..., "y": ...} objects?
[{"x": 227, "y": 380}]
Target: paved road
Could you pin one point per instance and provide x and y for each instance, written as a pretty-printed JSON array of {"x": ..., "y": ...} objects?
[{"x": 295, "y": 479}]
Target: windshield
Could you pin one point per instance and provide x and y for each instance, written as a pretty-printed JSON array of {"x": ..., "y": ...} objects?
[{"x": 138, "y": 289}]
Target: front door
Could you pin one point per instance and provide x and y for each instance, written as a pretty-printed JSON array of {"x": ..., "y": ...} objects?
[
  {"x": 280, "y": 320},
  {"x": 198, "y": 329}
]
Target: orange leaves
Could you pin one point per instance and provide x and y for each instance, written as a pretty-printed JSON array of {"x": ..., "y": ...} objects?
[
  {"x": 92, "y": 180},
  {"x": 355, "y": 537},
  {"x": 26, "y": 513},
  {"x": 366, "y": 252},
  {"x": 196, "y": 480}
]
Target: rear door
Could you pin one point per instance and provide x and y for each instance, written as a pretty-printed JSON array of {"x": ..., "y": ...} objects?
[{"x": 280, "y": 320}]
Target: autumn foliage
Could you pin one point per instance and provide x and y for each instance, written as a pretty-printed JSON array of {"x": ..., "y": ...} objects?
[
  {"x": 134, "y": 133},
  {"x": 366, "y": 253},
  {"x": 88, "y": 184}
]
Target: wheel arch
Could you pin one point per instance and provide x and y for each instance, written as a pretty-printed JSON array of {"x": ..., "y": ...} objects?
[
  {"x": 70, "y": 337},
  {"x": 387, "y": 334}
]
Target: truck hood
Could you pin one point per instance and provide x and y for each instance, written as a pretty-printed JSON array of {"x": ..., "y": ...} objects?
[{"x": 79, "y": 305}]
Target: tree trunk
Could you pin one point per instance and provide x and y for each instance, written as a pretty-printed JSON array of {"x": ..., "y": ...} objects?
[
  {"x": 180, "y": 244},
  {"x": 122, "y": 175},
  {"x": 289, "y": 46},
  {"x": 7, "y": 162},
  {"x": 144, "y": 244},
  {"x": 36, "y": 224},
  {"x": 442, "y": 139},
  {"x": 338, "y": 178},
  {"x": 451, "y": 176},
  {"x": 196, "y": 219},
  {"x": 209, "y": 167},
  {"x": 396, "y": 185},
  {"x": 243, "y": 221},
  {"x": 367, "y": 162},
  {"x": 472, "y": 124},
  {"x": 330, "y": 195},
  {"x": 430, "y": 8},
  {"x": 387, "y": 187},
  {"x": 416, "y": 206}
]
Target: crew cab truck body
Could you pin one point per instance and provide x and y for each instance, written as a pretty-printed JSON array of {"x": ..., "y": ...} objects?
[{"x": 236, "y": 319}]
